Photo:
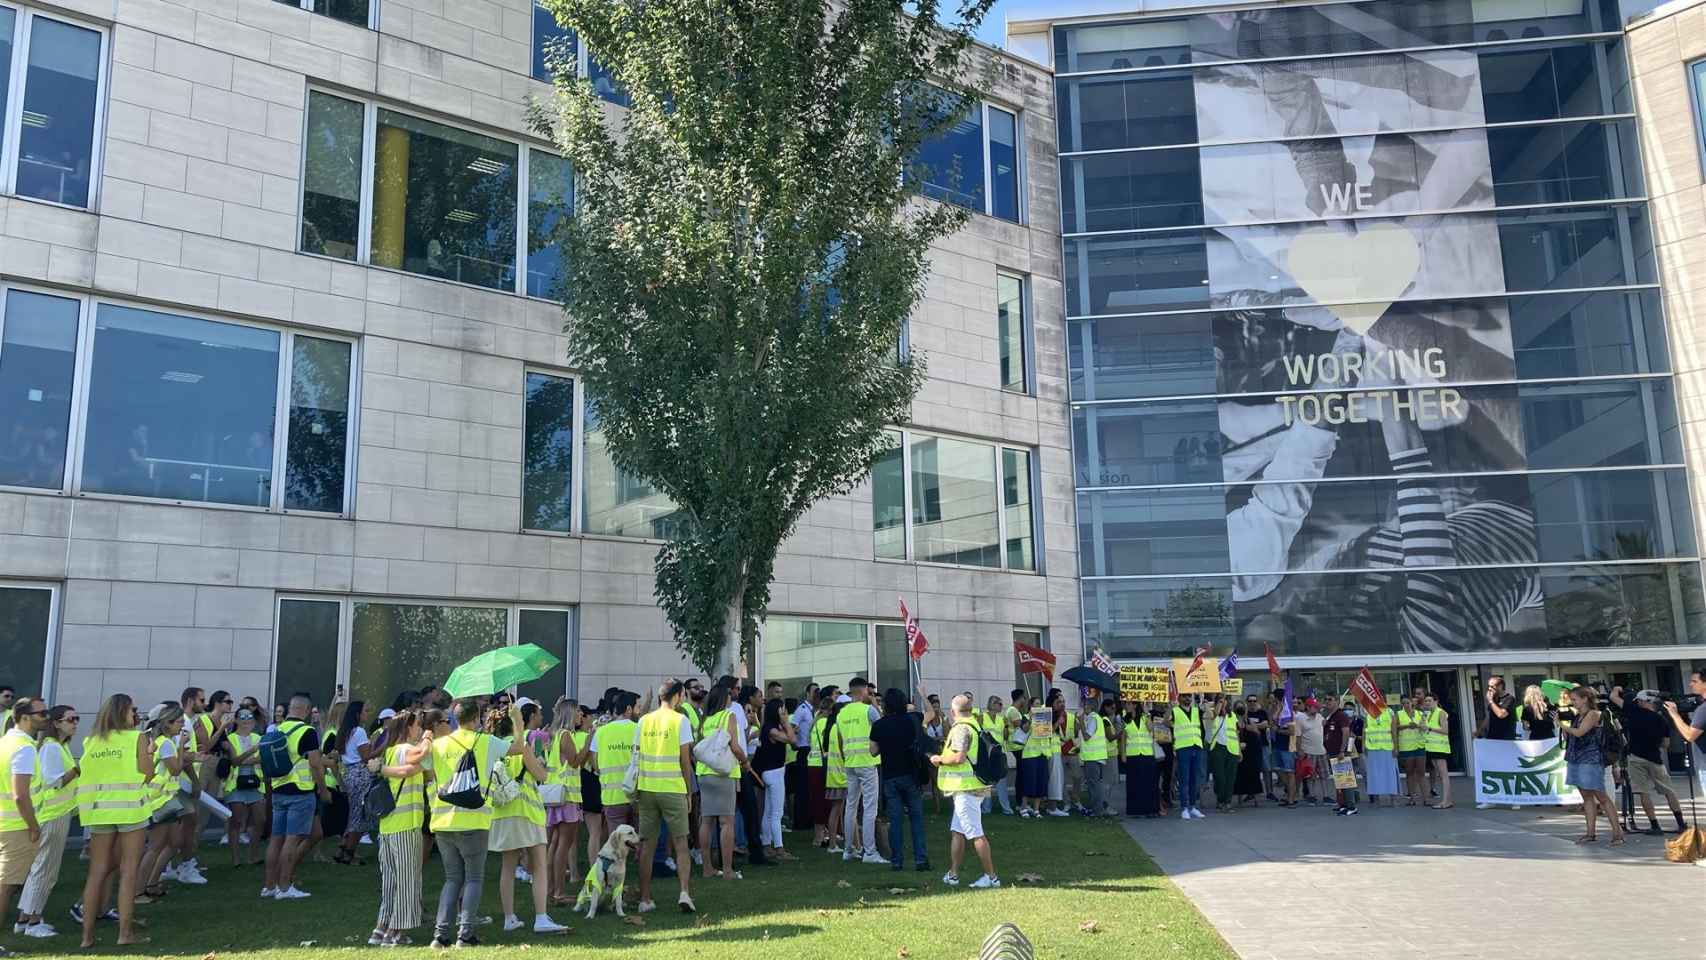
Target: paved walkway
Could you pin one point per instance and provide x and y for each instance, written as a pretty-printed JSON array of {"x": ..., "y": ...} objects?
[{"x": 1412, "y": 883}]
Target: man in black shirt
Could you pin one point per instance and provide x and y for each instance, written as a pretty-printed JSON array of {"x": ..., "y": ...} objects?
[
  {"x": 1500, "y": 721},
  {"x": 1647, "y": 734},
  {"x": 895, "y": 735}
]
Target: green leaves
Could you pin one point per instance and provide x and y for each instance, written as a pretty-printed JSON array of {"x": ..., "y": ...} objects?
[{"x": 744, "y": 253}]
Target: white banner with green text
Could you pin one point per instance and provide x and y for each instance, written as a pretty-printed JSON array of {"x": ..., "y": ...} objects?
[{"x": 1524, "y": 772}]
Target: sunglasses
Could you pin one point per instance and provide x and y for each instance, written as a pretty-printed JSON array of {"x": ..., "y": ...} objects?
[{"x": 70, "y": 719}]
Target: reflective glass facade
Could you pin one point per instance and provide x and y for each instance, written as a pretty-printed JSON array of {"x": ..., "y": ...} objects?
[{"x": 1367, "y": 352}]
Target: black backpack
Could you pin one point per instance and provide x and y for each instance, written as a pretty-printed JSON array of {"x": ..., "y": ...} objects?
[
  {"x": 380, "y": 800},
  {"x": 990, "y": 767},
  {"x": 463, "y": 789}
]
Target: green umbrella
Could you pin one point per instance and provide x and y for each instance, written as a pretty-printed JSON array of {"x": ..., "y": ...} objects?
[
  {"x": 497, "y": 669},
  {"x": 1555, "y": 689}
]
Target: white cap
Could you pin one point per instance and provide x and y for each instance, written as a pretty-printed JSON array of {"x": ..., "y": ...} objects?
[
  {"x": 524, "y": 701},
  {"x": 387, "y": 713},
  {"x": 844, "y": 698}
]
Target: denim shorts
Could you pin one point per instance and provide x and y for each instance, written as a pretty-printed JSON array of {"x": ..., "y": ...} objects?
[
  {"x": 293, "y": 814},
  {"x": 1280, "y": 759}
]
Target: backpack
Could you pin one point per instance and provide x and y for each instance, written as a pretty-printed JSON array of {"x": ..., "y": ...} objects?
[
  {"x": 274, "y": 759},
  {"x": 463, "y": 788},
  {"x": 990, "y": 767},
  {"x": 1611, "y": 743}
]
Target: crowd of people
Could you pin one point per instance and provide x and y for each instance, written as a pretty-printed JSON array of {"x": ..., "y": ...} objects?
[{"x": 712, "y": 778}]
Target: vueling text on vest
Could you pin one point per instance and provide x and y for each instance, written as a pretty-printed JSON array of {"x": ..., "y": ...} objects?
[{"x": 1359, "y": 406}]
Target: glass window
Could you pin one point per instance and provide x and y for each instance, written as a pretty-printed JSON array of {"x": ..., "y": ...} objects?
[
  {"x": 444, "y": 201},
  {"x": 1611, "y": 515},
  {"x": 307, "y": 653},
  {"x": 951, "y": 164},
  {"x": 331, "y": 185},
  {"x": 1132, "y": 191},
  {"x": 38, "y": 359},
  {"x": 1158, "y": 618},
  {"x": 553, "y": 44},
  {"x": 180, "y": 408},
  {"x": 798, "y": 652},
  {"x": 953, "y": 502},
  {"x": 1122, "y": 46},
  {"x": 349, "y": 11},
  {"x": 1139, "y": 532},
  {"x": 1016, "y": 501},
  {"x": 1112, "y": 113},
  {"x": 1600, "y": 423},
  {"x": 894, "y": 661},
  {"x": 405, "y": 646},
  {"x": 548, "y": 630},
  {"x": 56, "y": 135},
  {"x": 1697, "y": 74},
  {"x": 550, "y": 198},
  {"x": 1145, "y": 273},
  {"x": 888, "y": 501},
  {"x": 316, "y": 447},
  {"x": 8, "y": 26},
  {"x": 1564, "y": 162},
  {"x": 1542, "y": 82},
  {"x": 604, "y": 83},
  {"x": 1011, "y": 331},
  {"x": 1157, "y": 356},
  {"x": 1575, "y": 248},
  {"x": 1003, "y": 164},
  {"x": 618, "y": 503},
  {"x": 1588, "y": 334},
  {"x": 547, "y": 493},
  {"x": 1148, "y": 443},
  {"x": 26, "y": 617}
]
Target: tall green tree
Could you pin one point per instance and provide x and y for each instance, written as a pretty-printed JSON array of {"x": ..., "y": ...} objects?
[{"x": 745, "y": 250}]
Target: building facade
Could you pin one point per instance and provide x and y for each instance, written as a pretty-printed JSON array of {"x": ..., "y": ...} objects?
[
  {"x": 1366, "y": 316},
  {"x": 283, "y": 403}
]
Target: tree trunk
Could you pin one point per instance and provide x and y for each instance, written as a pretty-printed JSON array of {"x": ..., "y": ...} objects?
[{"x": 728, "y": 658}]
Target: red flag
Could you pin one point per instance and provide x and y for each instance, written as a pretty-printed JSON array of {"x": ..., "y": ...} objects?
[
  {"x": 917, "y": 645},
  {"x": 1100, "y": 661},
  {"x": 1202, "y": 652},
  {"x": 1034, "y": 659},
  {"x": 1273, "y": 665},
  {"x": 1367, "y": 692}
]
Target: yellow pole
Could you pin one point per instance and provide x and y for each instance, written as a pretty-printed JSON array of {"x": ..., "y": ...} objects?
[{"x": 390, "y": 195}]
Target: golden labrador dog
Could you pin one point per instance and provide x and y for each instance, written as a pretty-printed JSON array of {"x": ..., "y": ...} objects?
[{"x": 609, "y": 872}]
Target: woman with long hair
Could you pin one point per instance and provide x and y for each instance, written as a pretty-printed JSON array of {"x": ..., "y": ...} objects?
[
  {"x": 53, "y": 814},
  {"x": 717, "y": 805},
  {"x": 1412, "y": 754},
  {"x": 165, "y": 729},
  {"x": 592, "y": 787},
  {"x": 401, "y": 841},
  {"x": 1537, "y": 714},
  {"x": 243, "y": 786},
  {"x": 816, "y": 804},
  {"x": 834, "y": 779},
  {"x": 118, "y": 759},
  {"x": 770, "y": 763},
  {"x": 563, "y": 820},
  {"x": 518, "y": 826},
  {"x": 354, "y": 748},
  {"x": 1585, "y": 762}
]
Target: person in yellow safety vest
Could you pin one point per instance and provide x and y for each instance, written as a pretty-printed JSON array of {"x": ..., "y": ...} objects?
[
  {"x": 1412, "y": 754},
  {"x": 20, "y": 820},
  {"x": 1071, "y": 763},
  {"x": 1137, "y": 747},
  {"x": 1041, "y": 745},
  {"x": 816, "y": 767},
  {"x": 834, "y": 773},
  {"x": 461, "y": 833},
  {"x": 563, "y": 820},
  {"x": 518, "y": 825},
  {"x": 54, "y": 797},
  {"x": 994, "y": 721},
  {"x": 294, "y": 803},
  {"x": 859, "y": 758},
  {"x": 1093, "y": 756},
  {"x": 242, "y": 793},
  {"x": 664, "y": 746},
  {"x": 1380, "y": 762},
  {"x": 1220, "y": 735},
  {"x": 112, "y": 804},
  {"x": 173, "y": 764},
  {"x": 1189, "y": 764},
  {"x": 401, "y": 840},
  {"x": 1436, "y": 740},
  {"x": 956, "y": 778},
  {"x": 717, "y": 806}
]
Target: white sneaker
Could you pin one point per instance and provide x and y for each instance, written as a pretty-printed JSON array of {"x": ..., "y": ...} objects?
[
  {"x": 685, "y": 902},
  {"x": 698, "y": 858},
  {"x": 544, "y": 924},
  {"x": 645, "y": 906},
  {"x": 1483, "y": 806},
  {"x": 190, "y": 875},
  {"x": 835, "y": 848},
  {"x": 268, "y": 893},
  {"x": 512, "y": 922},
  {"x": 1185, "y": 814},
  {"x": 670, "y": 863},
  {"x": 41, "y": 930},
  {"x": 19, "y": 928},
  {"x": 225, "y": 840},
  {"x": 1057, "y": 812},
  {"x": 246, "y": 838},
  {"x": 949, "y": 880},
  {"x": 1196, "y": 813},
  {"x": 169, "y": 872},
  {"x": 522, "y": 875},
  {"x": 876, "y": 859},
  {"x": 291, "y": 893},
  {"x": 985, "y": 882},
  {"x": 367, "y": 839}
]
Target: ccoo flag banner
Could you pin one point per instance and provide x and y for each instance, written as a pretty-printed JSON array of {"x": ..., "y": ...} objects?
[{"x": 1525, "y": 772}]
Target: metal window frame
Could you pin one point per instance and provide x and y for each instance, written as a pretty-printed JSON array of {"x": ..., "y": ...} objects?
[
  {"x": 1027, "y": 341},
  {"x": 1018, "y": 116},
  {"x": 11, "y": 134},
  {"x": 369, "y": 157},
  {"x": 995, "y": 447},
  {"x": 1696, "y": 83},
  {"x": 577, "y": 443},
  {"x": 372, "y": 13},
  {"x": 50, "y": 648},
  {"x": 869, "y": 623},
  {"x": 346, "y": 626},
  {"x": 71, "y": 483}
]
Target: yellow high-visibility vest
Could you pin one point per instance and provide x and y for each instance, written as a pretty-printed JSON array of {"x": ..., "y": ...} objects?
[
  {"x": 1377, "y": 731},
  {"x": 1139, "y": 742},
  {"x": 239, "y": 746},
  {"x": 1409, "y": 739},
  {"x": 1095, "y": 746},
  {"x": 110, "y": 790},
  {"x": 447, "y": 754},
  {"x": 410, "y": 811},
  {"x": 51, "y": 802},
  {"x": 299, "y": 776},
  {"x": 526, "y": 803},
  {"x": 1435, "y": 738},
  {"x": 713, "y": 723},
  {"x": 660, "y": 753},
  {"x": 959, "y": 777},
  {"x": 814, "y": 756},
  {"x": 615, "y": 747},
  {"x": 11, "y": 817},
  {"x": 854, "y": 725},
  {"x": 1187, "y": 728}
]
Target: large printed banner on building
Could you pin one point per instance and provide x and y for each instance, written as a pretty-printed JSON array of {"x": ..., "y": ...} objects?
[{"x": 1523, "y": 772}]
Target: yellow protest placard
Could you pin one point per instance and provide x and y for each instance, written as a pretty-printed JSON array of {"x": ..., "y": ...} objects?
[
  {"x": 1233, "y": 687},
  {"x": 1344, "y": 774},
  {"x": 1042, "y": 722},
  {"x": 1143, "y": 684},
  {"x": 1204, "y": 679}
]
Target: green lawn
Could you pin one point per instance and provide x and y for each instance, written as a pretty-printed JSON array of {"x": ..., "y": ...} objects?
[{"x": 801, "y": 911}]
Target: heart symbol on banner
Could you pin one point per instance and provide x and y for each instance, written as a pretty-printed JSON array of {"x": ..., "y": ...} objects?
[{"x": 1373, "y": 267}]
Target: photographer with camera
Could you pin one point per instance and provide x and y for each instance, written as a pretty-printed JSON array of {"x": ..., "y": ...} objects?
[
  {"x": 1695, "y": 726},
  {"x": 1647, "y": 734}
]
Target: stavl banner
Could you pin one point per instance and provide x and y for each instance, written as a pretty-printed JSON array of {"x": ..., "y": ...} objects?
[{"x": 1524, "y": 772}]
